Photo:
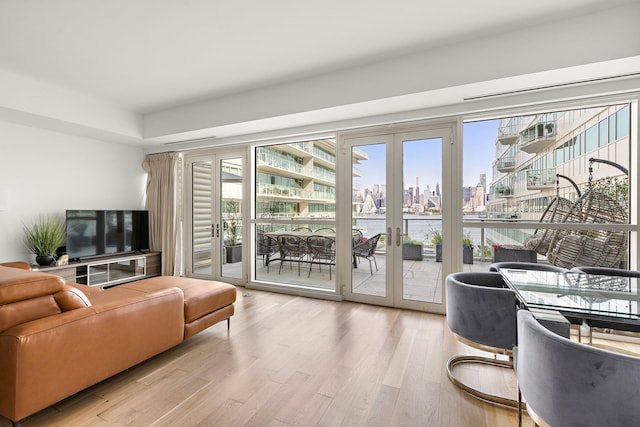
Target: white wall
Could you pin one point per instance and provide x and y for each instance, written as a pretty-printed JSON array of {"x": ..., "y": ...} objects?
[{"x": 44, "y": 172}]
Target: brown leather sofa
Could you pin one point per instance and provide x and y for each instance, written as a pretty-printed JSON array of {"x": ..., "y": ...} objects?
[{"x": 57, "y": 338}]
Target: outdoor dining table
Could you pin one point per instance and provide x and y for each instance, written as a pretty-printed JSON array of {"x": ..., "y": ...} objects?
[
  {"x": 613, "y": 300},
  {"x": 275, "y": 234}
]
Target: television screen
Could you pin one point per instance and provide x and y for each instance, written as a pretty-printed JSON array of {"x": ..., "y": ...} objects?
[{"x": 106, "y": 232}]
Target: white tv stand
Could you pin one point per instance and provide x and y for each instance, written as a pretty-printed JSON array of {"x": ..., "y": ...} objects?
[{"x": 108, "y": 271}]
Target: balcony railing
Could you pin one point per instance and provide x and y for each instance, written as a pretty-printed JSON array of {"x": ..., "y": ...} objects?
[
  {"x": 540, "y": 178},
  {"x": 320, "y": 195},
  {"x": 324, "y": 155},
  {"x": 280, "y": 162},
  {"x": 506, "y": 164},
  {"x": 508, "y": 135},
  {"x": 324, "y": 174},
  {"x": 361, "y": 154},
  {"x": 300, "y": 145},
  {"x": 503, "y": 191},
  {"x": 280, "y": 190},
  {"x": 538, "y": 137}
]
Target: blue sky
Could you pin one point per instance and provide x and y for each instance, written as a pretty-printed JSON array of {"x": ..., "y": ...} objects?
[{"x": 424, "y": 158}]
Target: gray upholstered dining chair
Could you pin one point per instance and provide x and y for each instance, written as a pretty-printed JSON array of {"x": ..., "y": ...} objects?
[
  {"x": 526, "y": 266},
  {"x": 481, "y": 313},
  {"x": 566, "y": 383}
]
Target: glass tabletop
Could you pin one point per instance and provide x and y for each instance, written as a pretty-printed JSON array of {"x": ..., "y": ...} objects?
[{"x": 579, "y": 293}]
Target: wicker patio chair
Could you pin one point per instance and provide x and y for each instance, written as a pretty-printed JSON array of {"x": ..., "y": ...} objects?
[{"x": 598, "y": 247}]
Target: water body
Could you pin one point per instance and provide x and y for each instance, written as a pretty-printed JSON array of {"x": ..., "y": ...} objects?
[{"x": 418, "y": 227}]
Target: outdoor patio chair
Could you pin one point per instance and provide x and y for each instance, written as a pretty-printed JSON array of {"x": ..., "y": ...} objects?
[
  {"x": 367, "y": 249},
  {"x": 356, "y": 237},
  {"x": 266, "y": 247},
  {"x": 325, "y": 230},
  {"x": 598, "y": 247},
  {"x": 292, "y": 249},
  {"x": 305, "y": 229},
  {"x": 323, "y": 251}
]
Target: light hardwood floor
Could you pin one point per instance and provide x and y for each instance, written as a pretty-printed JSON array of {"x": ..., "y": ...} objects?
[{"x": 295, "y": 361}]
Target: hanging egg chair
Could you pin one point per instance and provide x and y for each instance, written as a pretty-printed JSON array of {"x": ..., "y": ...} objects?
[
  {"x": 595, "y": 247},
  {"x": 555, "y": 212}
]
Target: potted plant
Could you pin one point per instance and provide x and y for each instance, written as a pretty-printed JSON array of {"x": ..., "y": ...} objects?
[
  {"x": 44, "y": 237},
  {"x": 411, "y": 249},
  {"x": 233, "y": 232},
  {"x": 467, "y": 249},
  {"x": 467, "y": 246},
  {"x": 436, "y": 239}
]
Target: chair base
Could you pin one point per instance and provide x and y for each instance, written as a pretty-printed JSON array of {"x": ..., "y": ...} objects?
[{"x": 498, "y": 400}]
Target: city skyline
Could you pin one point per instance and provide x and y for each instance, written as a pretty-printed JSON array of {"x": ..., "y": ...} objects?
[{"x": 426, "y": 164}]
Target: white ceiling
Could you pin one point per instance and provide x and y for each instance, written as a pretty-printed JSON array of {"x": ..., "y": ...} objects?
[{"x": 145, "y": 56}]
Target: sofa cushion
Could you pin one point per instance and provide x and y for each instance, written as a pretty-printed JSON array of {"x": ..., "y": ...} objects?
[
  {"x": 201, "y": 297},
  {"x": 28, "y": 295},
  {"x": 27, "y": 310}
]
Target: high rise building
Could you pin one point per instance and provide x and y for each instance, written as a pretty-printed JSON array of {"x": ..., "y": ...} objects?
[
  {"x": 299, "y": 179},
  {"x": 531, "y": 150}
]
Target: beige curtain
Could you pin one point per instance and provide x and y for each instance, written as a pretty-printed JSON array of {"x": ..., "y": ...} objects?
[{"x": 162, "y": 204}]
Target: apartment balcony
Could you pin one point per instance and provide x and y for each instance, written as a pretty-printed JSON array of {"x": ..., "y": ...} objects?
[
  {"x": 359, "y": 154},
  {"x": 538, "y": 137},
  {"x": 541, "y": 179},
  {"x": 503, "y": 191},
  {"x": 323, "y": 158},
  {"x": 275, "y": 165},
  {"x": 301, "y": 149},
  {"x": 271, "y": 191},
  {"x": 506, "y": 164},
  {"x": 321, "y": 196},
  {"x": 508, "y": 135},
  {"x": 322, "y": 177}
]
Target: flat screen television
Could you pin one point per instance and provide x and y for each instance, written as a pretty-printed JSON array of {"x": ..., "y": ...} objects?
[{"x": 93, "y": 233}]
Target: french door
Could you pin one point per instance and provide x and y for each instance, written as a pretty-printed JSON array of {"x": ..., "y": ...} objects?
[
  {"x": 214, "y": 216},
  {"x": 399, "y": 208}
]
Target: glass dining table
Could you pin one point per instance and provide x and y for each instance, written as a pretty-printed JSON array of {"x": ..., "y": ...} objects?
[{"x": 605, "y": 300}]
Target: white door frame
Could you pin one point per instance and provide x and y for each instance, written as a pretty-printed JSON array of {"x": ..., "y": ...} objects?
[{"x": 451, "y": 186}]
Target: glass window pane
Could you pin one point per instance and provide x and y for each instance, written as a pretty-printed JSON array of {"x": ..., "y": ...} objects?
[
  {"x": 295, "y": 194},
  {"x": 604, "y": 132},
  {"x": 527, "y": 191},
  {"x": 612, "y": 128},
  {"x": 591, "y": 137},
  {"x": 622, "y": 123}
]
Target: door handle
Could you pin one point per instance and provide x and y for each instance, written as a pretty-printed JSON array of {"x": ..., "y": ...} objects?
[
  {"x": 398, "y": 237},
  {"x": 389, "y": 236}
]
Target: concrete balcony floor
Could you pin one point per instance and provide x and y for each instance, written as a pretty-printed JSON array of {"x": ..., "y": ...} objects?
[{"x": 422, "y": 280}]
